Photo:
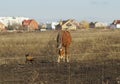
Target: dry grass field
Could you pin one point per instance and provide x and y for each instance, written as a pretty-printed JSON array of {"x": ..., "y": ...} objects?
[{"x": 94, "y": 55}]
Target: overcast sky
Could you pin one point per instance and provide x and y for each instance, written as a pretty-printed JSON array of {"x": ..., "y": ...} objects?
[{"x": 52, "y": 10}]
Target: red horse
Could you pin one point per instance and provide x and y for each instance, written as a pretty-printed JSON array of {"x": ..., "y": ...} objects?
[{"x": 63, "y": 42}]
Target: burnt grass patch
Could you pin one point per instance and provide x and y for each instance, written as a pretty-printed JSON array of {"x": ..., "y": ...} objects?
[{"x": 63, "y": 73}]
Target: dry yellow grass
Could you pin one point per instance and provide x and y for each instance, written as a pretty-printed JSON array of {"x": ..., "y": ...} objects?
[
  {"x": 97, "y": 44},
  {"x": 88, "y": 44}
]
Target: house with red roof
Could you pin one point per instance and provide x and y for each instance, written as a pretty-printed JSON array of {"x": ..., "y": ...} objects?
[
  {"x": 115, "y": 24},
  {"x": 30, "y": 24}
]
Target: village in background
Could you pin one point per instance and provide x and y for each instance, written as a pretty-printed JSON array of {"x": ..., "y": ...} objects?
[{"x": 13, "y": 24}]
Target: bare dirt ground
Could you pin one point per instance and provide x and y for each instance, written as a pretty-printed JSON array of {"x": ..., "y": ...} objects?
[{"x": 63, "y": 73}]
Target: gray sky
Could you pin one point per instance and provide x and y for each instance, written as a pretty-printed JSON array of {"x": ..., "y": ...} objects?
[{"x": 54, "y": 10}]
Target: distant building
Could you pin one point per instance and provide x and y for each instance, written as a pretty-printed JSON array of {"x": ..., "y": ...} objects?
[
  {"x": 30, "y": 24},
  {"x": 12, "y": 20},
  {"x": 51, "y": 25},
  {"x": 115, "y": 24},
  {"x": 2, "y": 27},
  {"x": 98, "y": 25},
  {"x": 66, "y": 24},
  {"x": 91, "y": 25}
]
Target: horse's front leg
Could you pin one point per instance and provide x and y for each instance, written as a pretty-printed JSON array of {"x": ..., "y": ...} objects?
[
  {"x": 66, "y": 54},
  {"x": 58, "y": 60}
]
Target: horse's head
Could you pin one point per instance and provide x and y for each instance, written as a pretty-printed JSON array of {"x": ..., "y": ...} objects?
[{"x": 61, "y": 52}]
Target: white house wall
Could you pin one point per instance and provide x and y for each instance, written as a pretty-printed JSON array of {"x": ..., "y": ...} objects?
[
  {"x": 51, "y": 25},
  {"x": 118, "y": 26},
  {"x": 115, "y": 26},
  {"x": 100, "y": 24},
  {"x": 12, "y": 20}
]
